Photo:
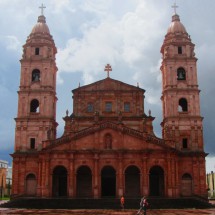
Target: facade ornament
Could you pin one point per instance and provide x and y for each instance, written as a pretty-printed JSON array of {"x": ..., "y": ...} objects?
[{"x": 108, "y": 69}]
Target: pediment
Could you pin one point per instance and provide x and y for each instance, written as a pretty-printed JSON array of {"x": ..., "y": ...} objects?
[
  {"x": 152, "y": 141},
  {"x": 108, "y": 84}
]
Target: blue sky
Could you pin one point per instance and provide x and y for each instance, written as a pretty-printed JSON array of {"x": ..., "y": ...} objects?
[{"x": 89, "y": 34}]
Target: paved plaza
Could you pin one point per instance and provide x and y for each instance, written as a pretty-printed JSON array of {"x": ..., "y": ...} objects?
[
  {"x": 107, "y": 212},
  {"x": 5, "y": 211}
]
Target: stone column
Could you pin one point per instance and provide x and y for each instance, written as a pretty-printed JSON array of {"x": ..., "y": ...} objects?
[
  {"x": 43, "y": 178},
  {"x": 144, "y": 176},
  {"x": 168, "y": 178},
  {"x": 47, "y": 178},
  {"x": 15, "y": 177},
  {"x": 71, "y": 190},
  {"x": 39, "y": 178},
  {"x": 96, "y": 175},
  {"x": 120, "y": 174}
]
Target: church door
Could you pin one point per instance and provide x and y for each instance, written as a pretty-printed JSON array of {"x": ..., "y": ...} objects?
[
  {"x": 108, "y": 182},
  {"x": 186, "y": 185},
  {"x": 84, "y": 182},
  {"x": 59, "y": 182},
  {"x": 31, "y": 185},
  {"x": 132, "y": 181},
  {"x": 156, "y": 181}
]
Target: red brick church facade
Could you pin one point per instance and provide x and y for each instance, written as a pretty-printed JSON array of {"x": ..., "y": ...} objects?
[{"x": 108, "y": 147}]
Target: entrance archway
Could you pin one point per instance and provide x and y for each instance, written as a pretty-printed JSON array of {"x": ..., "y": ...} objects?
[
  {"x": 59, "y": 181},
  {"x": 108, "y": 182},
  {"x": 31, "y": 185},
  {"x": 84, "y": 182},
  {"x": 186, "y": 185},
  {"x": 132, "y": 181},
  {"x": 156, "y": 181}
]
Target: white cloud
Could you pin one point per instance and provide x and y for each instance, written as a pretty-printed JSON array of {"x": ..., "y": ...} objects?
[
  {"x": 59, "y": 6},
  {"x": 125, "y": 40},
  {"x": 12, "y": 43}
]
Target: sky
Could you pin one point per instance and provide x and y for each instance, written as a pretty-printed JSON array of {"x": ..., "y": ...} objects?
[{"x": 88, "y": 34}]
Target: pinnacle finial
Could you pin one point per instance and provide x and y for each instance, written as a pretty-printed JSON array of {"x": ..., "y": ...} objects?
[
  {"x": 175, "y": 7},
  {"x": 42, "y": 7},
  {"x": 108, "y": 69}
]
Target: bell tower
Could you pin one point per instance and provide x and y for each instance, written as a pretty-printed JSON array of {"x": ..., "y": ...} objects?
[
  {"x": 182, "y": 121},
  {"x": 36, "y": 117}
]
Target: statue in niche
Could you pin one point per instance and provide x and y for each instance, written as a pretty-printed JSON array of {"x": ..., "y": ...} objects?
[
  {"x": 96, "y": 116},
  {"x": 108, "y": 141},
  {"x": 120, "y": 116}
]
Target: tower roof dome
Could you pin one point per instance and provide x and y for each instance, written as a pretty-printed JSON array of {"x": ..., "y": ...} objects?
[
  {"x": 176, "y": 26},
  {"x": 41, "y": 26}
]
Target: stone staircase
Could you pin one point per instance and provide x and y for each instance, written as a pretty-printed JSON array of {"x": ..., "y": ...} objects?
[{"x": 105, "y": 203}]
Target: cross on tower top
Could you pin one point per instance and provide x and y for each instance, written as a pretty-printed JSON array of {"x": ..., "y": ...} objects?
[
  {"x": 42, "y": 7},
  {"x": 108, "y": 69},
  {"x": 175, "y": 6}
]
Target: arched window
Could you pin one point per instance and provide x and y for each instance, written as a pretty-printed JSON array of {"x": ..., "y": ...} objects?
[
  {"x": 59, "y": 181},
  {"x": 186, "y": 176},
  {"x": 181, "y": 74},
  {"x": 84, "y": 182},
  {"x": 182, "y": 105},
  {"x": 127, "y": 106},
  {"x": 156, "y": 181},
  {"x": 34, "y": 107},
  {"x": 36, "y": 75},
  {"x": 32, "y": 143},
  {"x": 90, "y": 107},
  {"x": 132, "y": 182},
  {"x": 108, "y": 106},
  {"x": 37, "y": 51},
  {"x": 184, "y": 143},
  {"x": 31, "y": 185},
  {"x": 186, "y": 185},
  {"x": 108, "y": 181},
  {"x": 179, "y": 50}
]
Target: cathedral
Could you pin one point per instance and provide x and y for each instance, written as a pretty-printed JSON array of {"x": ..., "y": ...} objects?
[{"x": 108, "y": 147}]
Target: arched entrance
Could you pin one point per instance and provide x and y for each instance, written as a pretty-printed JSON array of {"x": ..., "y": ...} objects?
[
  {"x": 84, "y": 182},
  {"x": 132, "y": 181},
  {"x": 186, "y": 185},
  {"x": 59, "y": 181},
  {"x": 31, "y": 185},
  {"x": 156, "y": 181},
  {"x": 108, "y": 182}
]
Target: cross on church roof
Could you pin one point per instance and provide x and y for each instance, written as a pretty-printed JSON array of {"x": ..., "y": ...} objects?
[
  {"x": 42, "y": 7},
  {"x": 175, "y": 6},
  {"x": 108, "y": 69}
]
